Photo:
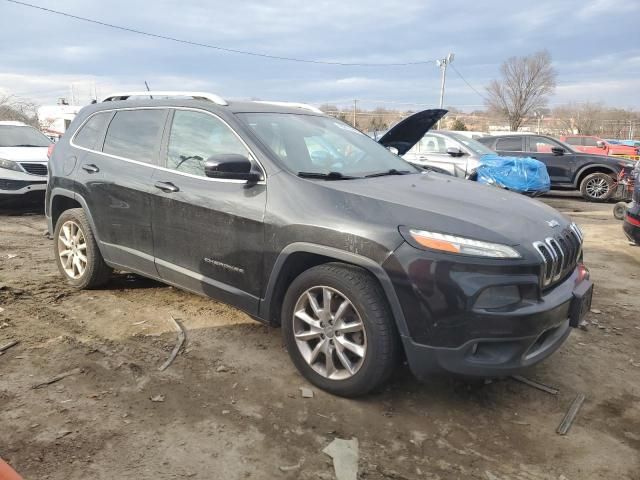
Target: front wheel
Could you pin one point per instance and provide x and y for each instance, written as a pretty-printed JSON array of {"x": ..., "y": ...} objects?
[
  {"x": 338, "y": 329},
  {"x": 596, "y": 187}
]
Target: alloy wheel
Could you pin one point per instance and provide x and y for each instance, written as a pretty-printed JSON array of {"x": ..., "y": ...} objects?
[
  {"x": 72, "y": 249},
  {"x": 597, "y": 188},
  {"x": 329, "y": 333}
]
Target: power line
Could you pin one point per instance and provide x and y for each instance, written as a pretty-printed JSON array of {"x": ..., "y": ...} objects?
[
  {"x": 465, "y": 81},
  {"x": 214, "y": 47}
]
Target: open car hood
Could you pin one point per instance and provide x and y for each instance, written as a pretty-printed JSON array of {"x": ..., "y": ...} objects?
[{"x": 410, "y": 130}]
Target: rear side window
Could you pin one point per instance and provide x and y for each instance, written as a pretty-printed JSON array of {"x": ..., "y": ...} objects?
[
  {"x": 509, "y": 144},
  {"x": 590, "y": 142},
  {"x": 92, "y": 131},
  {"x": 135, "y": 134},
  {"x": 573, "y": 140}
]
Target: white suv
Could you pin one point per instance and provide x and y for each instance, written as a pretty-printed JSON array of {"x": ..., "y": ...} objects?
[{"x": 23, "y": 159}]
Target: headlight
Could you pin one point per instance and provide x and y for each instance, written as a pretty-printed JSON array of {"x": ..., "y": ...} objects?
[
  {"x": 465, "y": 246},
  {"x": 10, "y": 165}
]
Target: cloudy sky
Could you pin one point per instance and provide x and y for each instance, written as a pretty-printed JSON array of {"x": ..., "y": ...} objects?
[{"x": 595, "y": 45}]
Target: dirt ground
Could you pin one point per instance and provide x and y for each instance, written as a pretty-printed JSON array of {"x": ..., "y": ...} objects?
[{"x": 231, "y": 407}]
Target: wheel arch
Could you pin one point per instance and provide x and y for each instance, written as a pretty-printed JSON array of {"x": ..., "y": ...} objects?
[
  {"x": 62, "y": 200},
  {"x": 594, "y": 168},
  {"x": 298, "y": 257}
]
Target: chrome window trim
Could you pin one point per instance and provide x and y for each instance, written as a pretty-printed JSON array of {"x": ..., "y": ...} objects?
[{"x": 137, "y": 162}]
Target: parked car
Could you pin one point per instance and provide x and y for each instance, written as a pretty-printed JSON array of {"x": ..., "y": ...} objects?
[
  {"x": 598, "y": 146},
  {"x": 362, "y": 258},
  {"x": 594, "y": 175},
  {"x": 452, "y": 153},
  {"x": 23, "y": 159},
  {"x": 631, "y": 217}
]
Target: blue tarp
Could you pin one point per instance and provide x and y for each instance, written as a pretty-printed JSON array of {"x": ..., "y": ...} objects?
[{"x": 520, "y": 174}]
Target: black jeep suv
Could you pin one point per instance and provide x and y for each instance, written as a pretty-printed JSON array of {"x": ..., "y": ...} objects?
[
  {"x": 593, "y": 175},
  {"x": 301, "y": 221}
]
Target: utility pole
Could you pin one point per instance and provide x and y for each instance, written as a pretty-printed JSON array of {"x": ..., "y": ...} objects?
[
  {"x": 355, "y": 106},
  {"x": 540, "y": 117},
  {"x": 443, "y": 64}
]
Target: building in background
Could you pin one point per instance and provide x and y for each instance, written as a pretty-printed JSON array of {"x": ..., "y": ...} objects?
[{"x": 55, "y": 119}]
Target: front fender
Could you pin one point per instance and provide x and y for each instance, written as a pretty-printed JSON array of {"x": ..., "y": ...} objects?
[{"x": 342, "y": 256}]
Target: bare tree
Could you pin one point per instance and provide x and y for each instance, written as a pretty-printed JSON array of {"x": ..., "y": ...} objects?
[
  {"x": 19, "y": 110},
  {"x": 584, "y": 119},
  {"x": 525, "y": 87}
]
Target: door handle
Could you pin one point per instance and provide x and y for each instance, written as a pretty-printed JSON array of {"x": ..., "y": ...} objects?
[
  {"x": 90, "y": 168},
  {"x": 167, "y": 187}
]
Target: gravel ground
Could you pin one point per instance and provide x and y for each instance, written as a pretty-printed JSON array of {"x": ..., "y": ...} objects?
[{"x": 230, "y": 406}]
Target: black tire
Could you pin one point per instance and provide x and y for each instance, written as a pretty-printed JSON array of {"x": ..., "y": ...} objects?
[
  {"x": 619, "y": 210},
  {"x": 369, "y": 302},
  {"x": 96, "y": 272},
  {"x": 588, "y": 190}
]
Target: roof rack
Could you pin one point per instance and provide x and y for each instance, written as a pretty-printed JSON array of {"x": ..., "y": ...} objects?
[
  {"x": 293, "y": 105},
  {"x": 218, "y": 100}
]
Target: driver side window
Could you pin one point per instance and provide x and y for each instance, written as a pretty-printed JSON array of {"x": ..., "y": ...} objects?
[
  {"x": 196, "y": 136},
  {"x": 541, "y": 144}
]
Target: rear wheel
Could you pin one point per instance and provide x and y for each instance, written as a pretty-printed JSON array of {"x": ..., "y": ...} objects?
[
  {"x": 619, "y": 210},
  {"x": 338, "y": 329},
  {"x": 76, "y": 251},
  {"x": 596, "y": 187}
]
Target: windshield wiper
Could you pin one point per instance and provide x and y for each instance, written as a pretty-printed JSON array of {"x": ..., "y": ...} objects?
[
  {"x": 392, "y": 171},
  {"x": 27, "y": 145},
  {"x": 326, "y": 176}
]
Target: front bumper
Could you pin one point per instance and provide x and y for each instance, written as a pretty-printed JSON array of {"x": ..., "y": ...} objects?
[
  {"x": 14, "y": 183},
  {"x": 446, "y": 333}
]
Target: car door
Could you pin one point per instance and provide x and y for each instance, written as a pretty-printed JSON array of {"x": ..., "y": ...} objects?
[
  {"x": 560, "y": 162},
  {"x": 115, "y": 176},
  {"x": 208, "y": 233}
]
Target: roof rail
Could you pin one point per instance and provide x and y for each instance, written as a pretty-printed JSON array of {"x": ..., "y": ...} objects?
[
  {"x": 218, "y": 100},
  {"x": 293, "y": 105}
]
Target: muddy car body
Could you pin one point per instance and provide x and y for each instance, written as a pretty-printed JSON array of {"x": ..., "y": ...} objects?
[{"x": 362, "y": 258}]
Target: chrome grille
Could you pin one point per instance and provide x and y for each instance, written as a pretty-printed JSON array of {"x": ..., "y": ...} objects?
[
  {"x": 559, "y": 254},
  {"x": 35, "y": 168}
]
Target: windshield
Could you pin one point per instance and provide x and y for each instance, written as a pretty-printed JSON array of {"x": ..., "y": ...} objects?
[
  {"x": 17, "y": 136},
  {"x": 473, "y": 145},
  {"x": 322, "y": 145}
]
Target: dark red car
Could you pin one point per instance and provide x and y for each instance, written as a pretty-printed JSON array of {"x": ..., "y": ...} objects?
[{"x": 598, "y": 146}]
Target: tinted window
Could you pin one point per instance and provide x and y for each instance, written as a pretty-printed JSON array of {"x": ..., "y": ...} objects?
[
  {"x": 135, "y": 134},
  {"x": 22, "y": 136},
  {"x": 573, "y": 140},
  {"x": 509, "y": 144},
  {"x": 542, "y": 144},
  {"x": 589, "y": 142},
  {"x": 91, "y": 132},
  {"x": 196, "y": 136}
]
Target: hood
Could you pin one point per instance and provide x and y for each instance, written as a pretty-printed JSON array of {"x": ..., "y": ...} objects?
[
  {"x": 24, "y": 154},
  {"x": 611, "y": 160},
  {"x": 447, "y": 204},
  {"x": 410, "y": 130}
]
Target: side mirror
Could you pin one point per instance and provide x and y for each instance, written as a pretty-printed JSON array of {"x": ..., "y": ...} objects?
[
  {"x": 601, "y": 144},
  {"x": 557, "y": 150},
  {"x": 455, "y": 152},
  {"x": 230, "y": 166}
]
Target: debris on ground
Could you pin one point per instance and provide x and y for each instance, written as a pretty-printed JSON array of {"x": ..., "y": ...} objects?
[
  {"x": 138, "y": 323},
  {"x": 345, "y": 458},
  {"x": 157, "y": 398},
  {"x": 6, "y": 347},
  {"x": 568, "y": 419},
  {"x": 596, "y": 311},
  {"x": 290, "y": 468},
  {"x": 182, "y": 335},
  {"x": 534, "y": 384},
  {"x": 63, "y": 433},
  {"x": 222, "y": 369},
  {"x": 11, "y": 255},
  {"x": 57, "y": 378},
  {"x": 306, "y": 392}
]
